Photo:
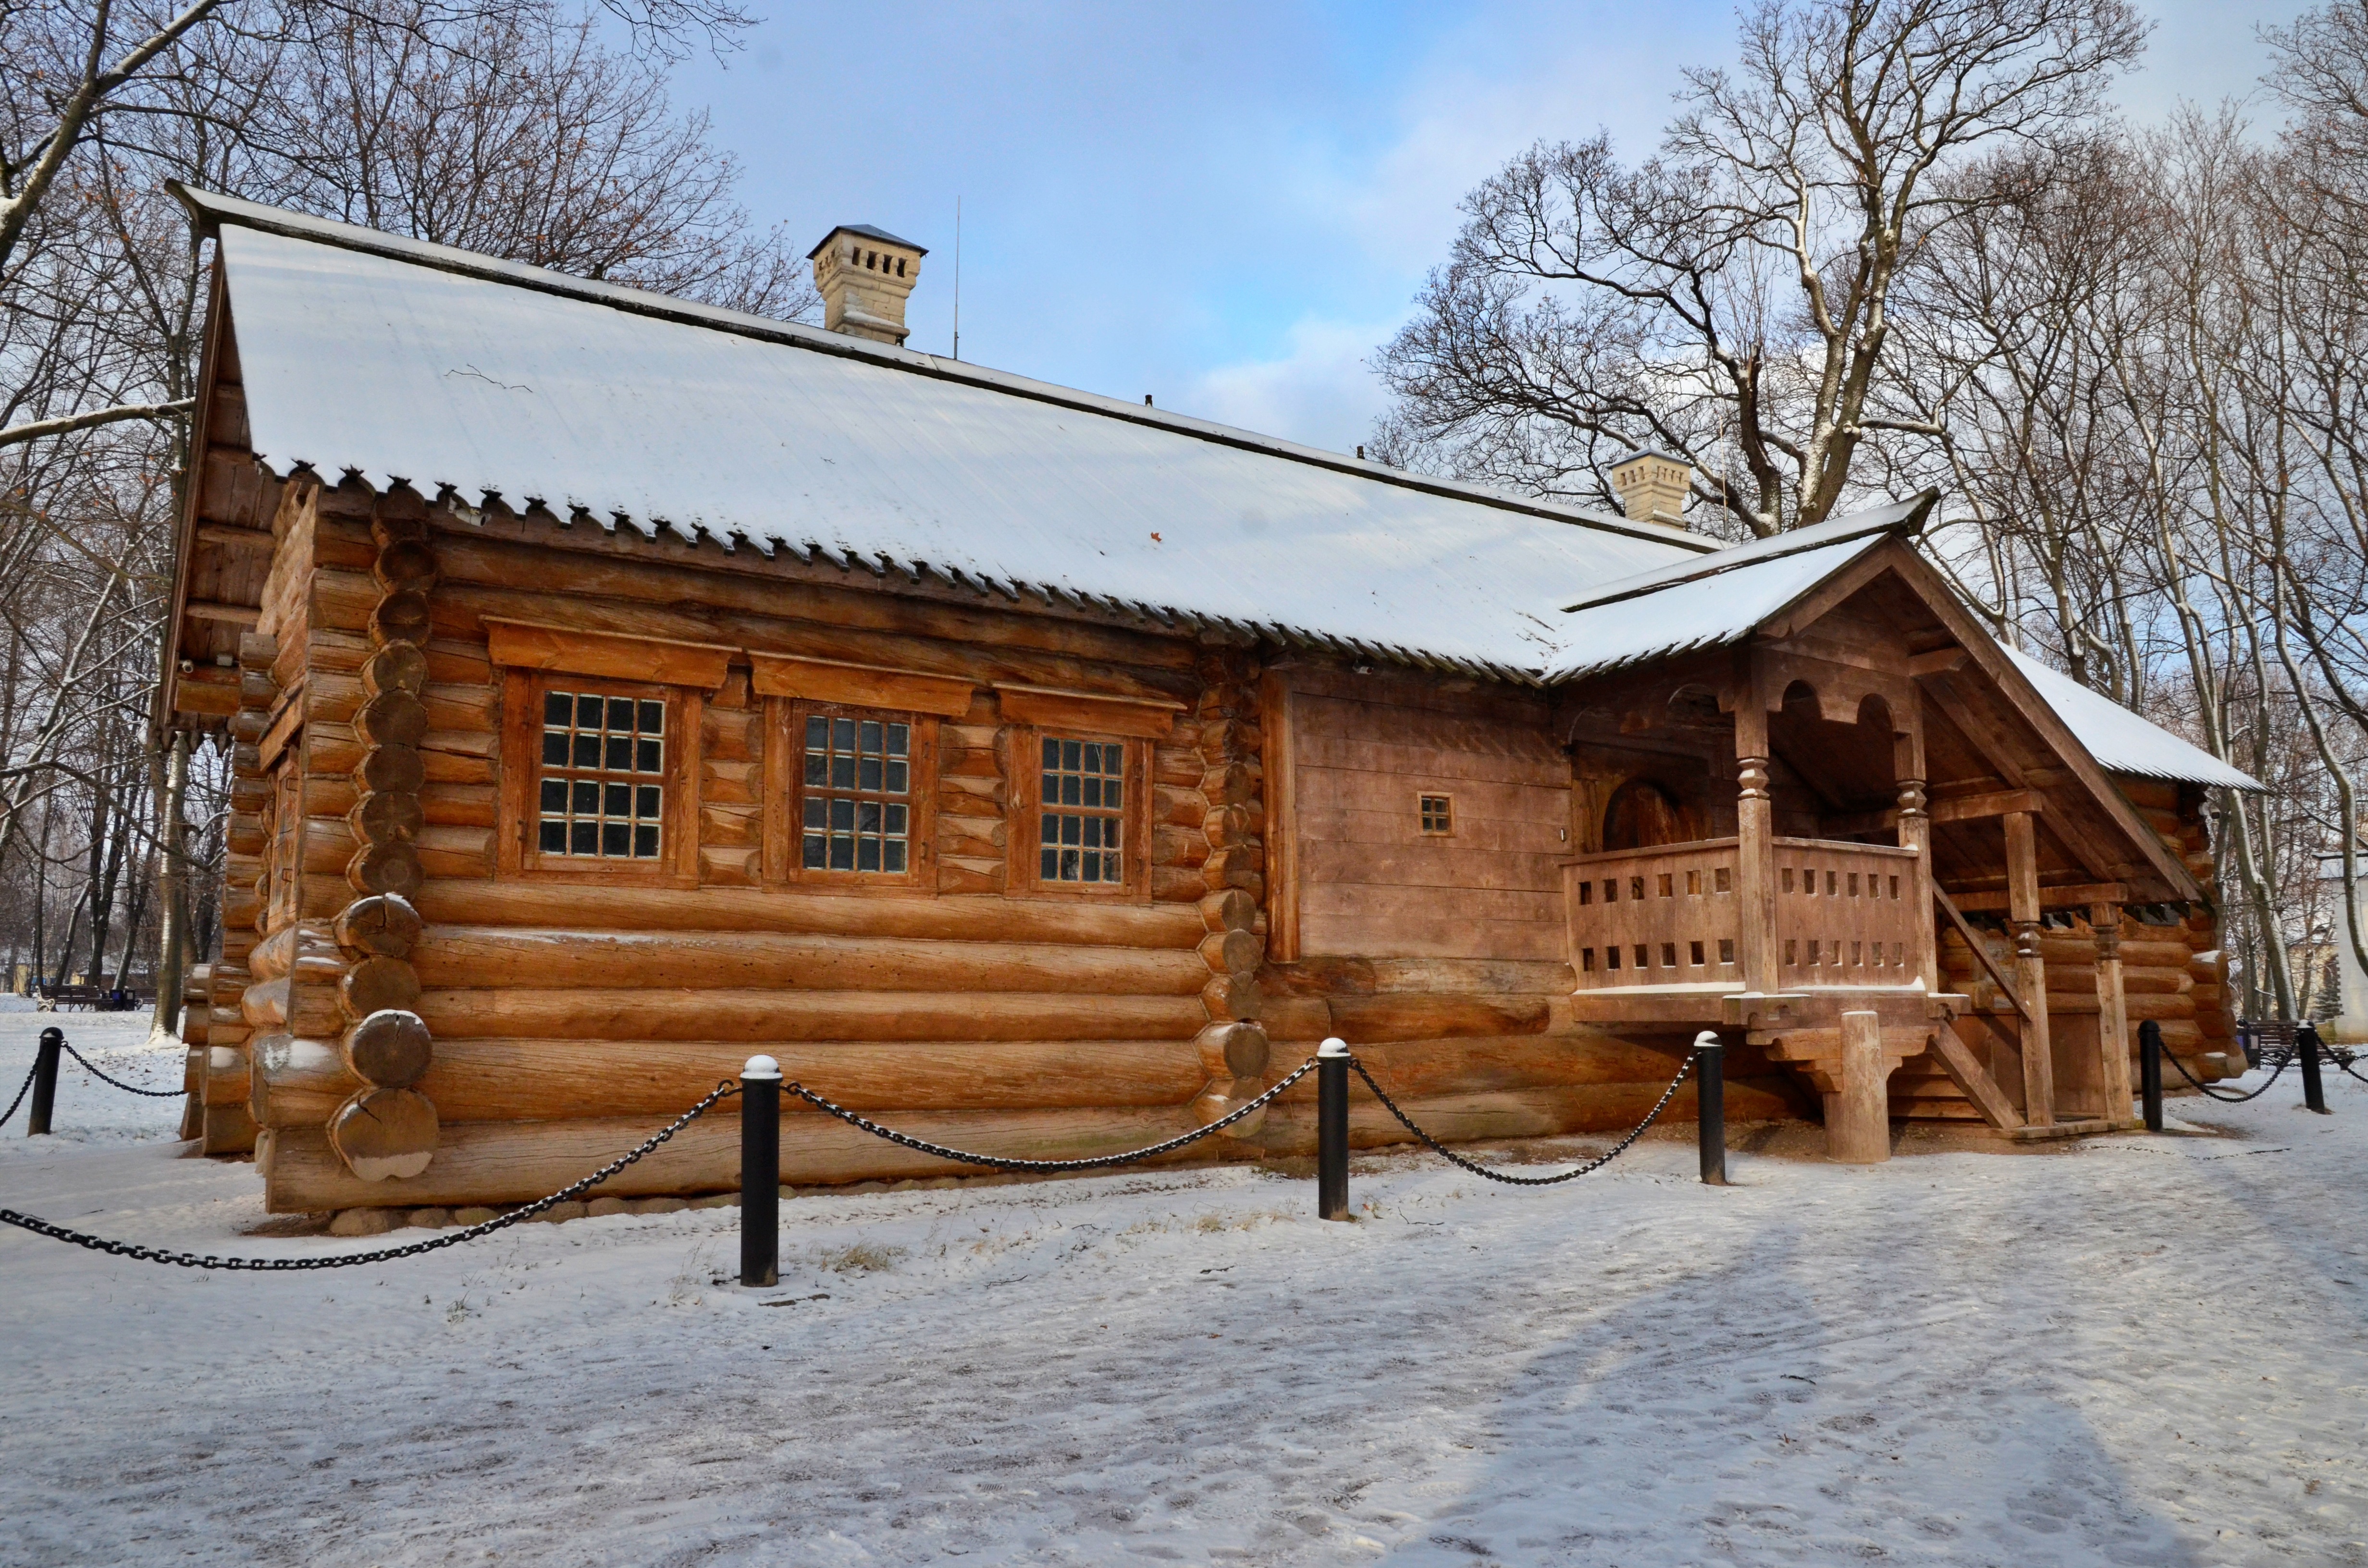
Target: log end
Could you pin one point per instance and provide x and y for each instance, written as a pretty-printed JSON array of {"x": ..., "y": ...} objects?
[{"x": 385, "y": 1133}]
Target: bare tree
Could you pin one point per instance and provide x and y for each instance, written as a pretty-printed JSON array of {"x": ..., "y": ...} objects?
[{"x": 1729, "y": 300}]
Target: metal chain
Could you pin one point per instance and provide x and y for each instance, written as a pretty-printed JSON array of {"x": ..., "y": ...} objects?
[
  {"x": 1595, "y": 1164},
  {"x": 2340, "y": 1064},
  {"x": 129, "y": 1088},
  {"x": 348, "y": 1260},
  {"x": 1002, "y": 1163},
  {"x": 2211, "y": 1093},
  {"x": 22, "y": 1089}
]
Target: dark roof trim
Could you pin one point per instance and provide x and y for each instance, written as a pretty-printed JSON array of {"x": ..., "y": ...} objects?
[
  {"x": 210, "y": 210},
  {"x": 869, "y": 232},
  {"x": 1905, "y": 520}
]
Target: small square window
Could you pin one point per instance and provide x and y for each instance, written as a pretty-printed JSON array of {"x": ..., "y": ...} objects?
[
  {"x": 1586, "y": 961},
  {"x": 1726, "y": 949},
  {"x": 1693, "y": 885},
  {"x": 1694, "y": 951},
  {"x": 1668, "y": 955},
  {"x": 1612, "y": 889},
  {"x": 1587, "y": 892},
  {"x": 1726, "y": 876},
  {"x": 1438, "y": 813},
  {"x": 1669, "y": 885}
]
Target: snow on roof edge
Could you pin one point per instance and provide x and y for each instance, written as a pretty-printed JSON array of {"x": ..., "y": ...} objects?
[
  {"x": 211, "y": 209},
  {"x": 2123, "y": 741}
]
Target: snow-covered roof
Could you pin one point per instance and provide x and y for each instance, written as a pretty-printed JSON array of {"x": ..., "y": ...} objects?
[
  {"x": 1679, "y": 616},
  {"x": 403, "y": 360},
  {"x": 1715, "y": 601},
  {"x": 2121, "y": 741}
]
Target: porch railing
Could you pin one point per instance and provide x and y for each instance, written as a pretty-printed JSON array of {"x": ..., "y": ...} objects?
[
  {"x": 1660, "y": 916},
  {"x": 1845, "y": 915}
]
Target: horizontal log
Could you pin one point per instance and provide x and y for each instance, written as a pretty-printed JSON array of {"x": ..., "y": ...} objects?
[
  {"x": 2135, "y": 953},
  {"x": 832, "y": 620},
  {"x": 446, "y": 902},
  {"x": 535, "y": 1080},
  {"x": 299, "y": 1081},
  {"x": 517, "y": 1162},
  {"x": 776, "y": 1016},
  {"x": 226, "y": 1075},
  {"x": 464, "y": 957},
  {"x": 1363, "y": 1021}
]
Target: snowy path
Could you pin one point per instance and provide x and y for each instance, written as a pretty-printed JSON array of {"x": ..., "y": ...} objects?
[{"x": 2135, "y": 1351}]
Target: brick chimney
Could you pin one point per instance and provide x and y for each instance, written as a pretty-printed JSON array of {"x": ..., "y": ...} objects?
[
  {"x": 864, "y": 275},
  {"x": 1652, "y": 485}
]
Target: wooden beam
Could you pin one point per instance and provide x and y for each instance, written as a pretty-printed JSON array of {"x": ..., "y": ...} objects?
[
  {"x": 1997, "y": 803},
  {"x": 1974, "y": 1080},
  {"x": 2030, "y": 967},
  {"x": 1947, "y": 807},
  {"x": 2075, "y": 896},
  {"x": 1938, "y": 662},
  {"x": 1982, "y": 954},
  {"x": 235, "y": 615},
  {"x": 1985, "y": 737},
  {"x": 234, "y": 537}
]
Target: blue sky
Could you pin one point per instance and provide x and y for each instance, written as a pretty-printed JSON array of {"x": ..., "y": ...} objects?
[{"x": 1227, "y": 205}]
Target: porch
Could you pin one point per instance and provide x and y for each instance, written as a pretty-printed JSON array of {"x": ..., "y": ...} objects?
[{"x": 1911, "y": 810}]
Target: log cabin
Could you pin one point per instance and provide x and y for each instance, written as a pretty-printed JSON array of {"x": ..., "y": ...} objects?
[{"x": 618, "y": 685}]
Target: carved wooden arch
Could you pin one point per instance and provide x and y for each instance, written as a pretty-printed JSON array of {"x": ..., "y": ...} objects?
[{"x": 1842, "y": 692}]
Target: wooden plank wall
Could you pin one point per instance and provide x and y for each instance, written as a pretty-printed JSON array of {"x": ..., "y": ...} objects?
[
  {"x": 1443, "y": 962},
  {"x": 1366, "y": 747}
]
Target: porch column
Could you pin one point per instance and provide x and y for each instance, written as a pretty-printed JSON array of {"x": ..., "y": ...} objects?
[
  {"x": 1858, "y": 1111},
  {"x": 2030, "y": 969},
  {"x": 2112, "y": 1012},
  {"x": 1916, "y": 833},
  {"x": 1755, "y": 857}
]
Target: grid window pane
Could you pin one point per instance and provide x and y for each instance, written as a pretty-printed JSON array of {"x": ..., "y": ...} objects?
[
  {"x": 855, "y": 816},
  {"x": 1084, "y": 788},
  {"x": 596, "y": 798}
]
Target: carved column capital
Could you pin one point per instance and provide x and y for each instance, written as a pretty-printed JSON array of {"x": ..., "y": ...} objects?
[
  {"x": 1751, "y": 778},
  {"x": 2108, "y": 942},
  {"x": 1911, "y": 798},
  {"x": 2026, "y": 938}
]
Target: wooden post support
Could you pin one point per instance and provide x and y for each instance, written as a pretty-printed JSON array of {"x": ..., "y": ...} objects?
[
  {"x": 2113, "y": 1009},
  {"x": 1858, "y": 1116},
  {"x": 1755, "y": 859},
  {"x": 45, "y": 1081},
  {"x": 2150, "y": 1073},
  {"x": 760, "y": 1171},
  {"x": 1915, "y": 831},
  {"x": 1710, "y": 1107},
  {"x": 2030, "y": 969},
  {"x": 1332, "y": 1130}
]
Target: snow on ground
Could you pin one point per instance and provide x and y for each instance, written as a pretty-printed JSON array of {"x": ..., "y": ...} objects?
[{"x": 2132, "y": 1350}]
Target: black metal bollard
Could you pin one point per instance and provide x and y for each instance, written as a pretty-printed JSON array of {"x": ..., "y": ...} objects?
[
  {"x": 760, "y": 1171},
  {"x": 2307, "y": 1046},
  {"x": 1332, "y": 1130},
  {"x": 2150, "y": 1073},
  {"x": 1710, "y": 1107},
  {"x": 45, "y": 1081}
]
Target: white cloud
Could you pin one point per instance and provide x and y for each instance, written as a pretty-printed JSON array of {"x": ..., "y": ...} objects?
[{"x": 1321, "y": 391}]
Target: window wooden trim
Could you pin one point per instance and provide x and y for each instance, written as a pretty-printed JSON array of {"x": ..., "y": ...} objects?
[
  {"x": 606, "y": 655},
  {"x": 1024, "y": 825},
  {"x": 1089, "y": 713},
  {"x": 877, "y": 687},
  {"x": 523, "y": 690},
  {"x": 785, "y": 800}
]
